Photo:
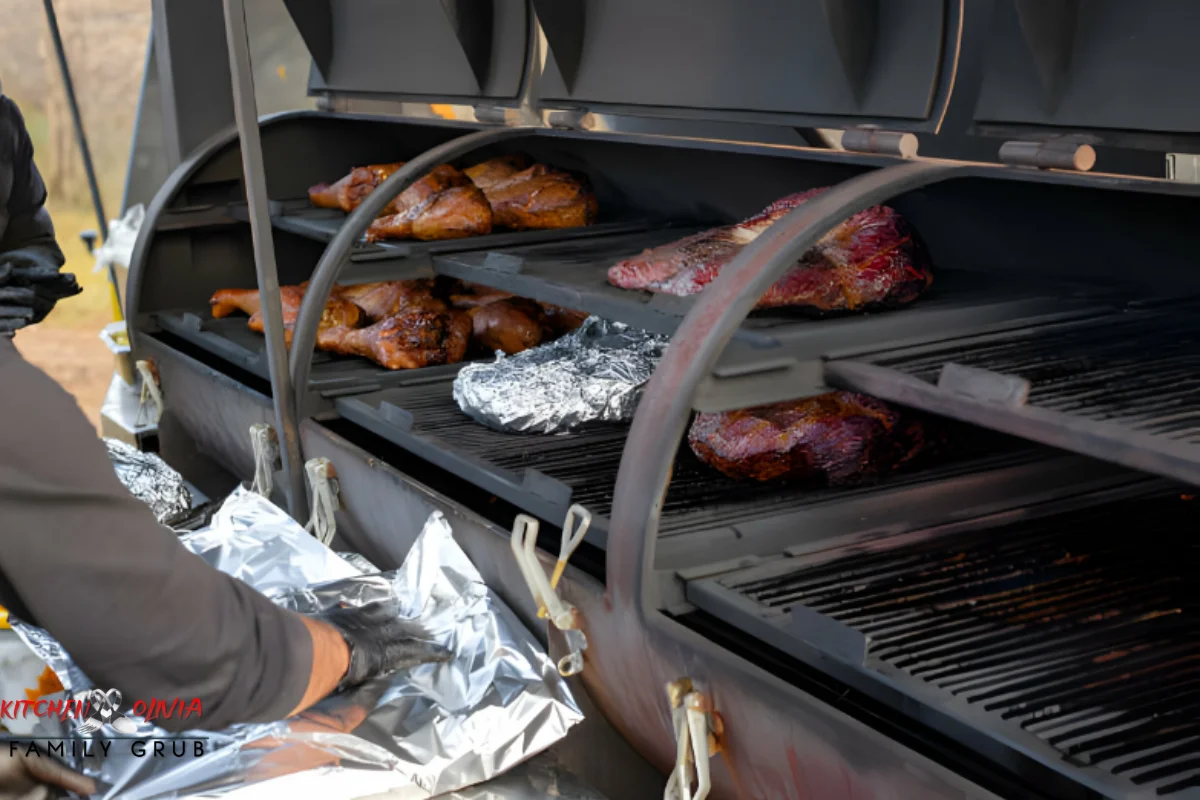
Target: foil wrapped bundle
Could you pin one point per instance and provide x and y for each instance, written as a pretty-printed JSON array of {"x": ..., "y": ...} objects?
[
  {"x": 150, "y": 479},
  {"x": 418, "y": 733},
  {"x": 594, "y": 374}
]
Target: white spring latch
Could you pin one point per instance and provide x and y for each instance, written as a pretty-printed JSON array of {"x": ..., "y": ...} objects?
[
  {"x": 267, "y": 458},
  {"x": 697, "y": 740},
  {"x": 322, "y": 481},
  {"x": 150, "y": 395},
  {"x": 562, "y": 614}
]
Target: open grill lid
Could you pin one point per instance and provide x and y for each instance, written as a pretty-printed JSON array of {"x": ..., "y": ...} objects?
[{"x": 1108, "y": 71}]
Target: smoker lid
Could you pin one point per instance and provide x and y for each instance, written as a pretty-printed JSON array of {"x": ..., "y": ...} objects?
[
  {"x": 1115, "y": 72},
  {"x": 461, "y": 51}
]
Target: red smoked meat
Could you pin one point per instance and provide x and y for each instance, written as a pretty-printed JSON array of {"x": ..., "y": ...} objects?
[
  {"x": 869, "y": 261},
  {"x": 843, "y": 437}
]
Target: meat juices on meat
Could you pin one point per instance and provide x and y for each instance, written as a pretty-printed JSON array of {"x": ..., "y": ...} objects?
[
  {"x": 871, "y": 260},
  {"x": 410, "y": 340},
  {"x": 844, "y": 437}
]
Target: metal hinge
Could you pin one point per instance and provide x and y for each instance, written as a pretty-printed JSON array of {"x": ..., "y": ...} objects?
[{"x": 1061, "y": 152}]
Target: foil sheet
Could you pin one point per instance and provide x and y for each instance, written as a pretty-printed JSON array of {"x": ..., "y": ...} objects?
[
  {"x": 594, "y": 374},
  {"x": 150, "y": 480},
  {"x": 418, "y": 733}
]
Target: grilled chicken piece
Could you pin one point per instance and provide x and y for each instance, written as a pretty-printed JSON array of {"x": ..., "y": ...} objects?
[
  {"x": 872, "y": 260},
  {"x": 347, "y": 193},
  {"x": 539, "y": 198},
  {"x": 510, "y": 325},
  {"x": 442, "y": 205},
  {"x": 337, "y": 313},
  {"x": 488, "y": 173},
  {"x": 226, "y": 301},
  {"x": 410, "y": 340},
  {"x": 560, "y": 321},
  {"x": 844, "y": 437},
  {"x": 388, "y": 298}
]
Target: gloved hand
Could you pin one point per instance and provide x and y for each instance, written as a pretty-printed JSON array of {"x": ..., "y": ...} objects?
[
  {"x": 380, "y": 641},
  {"x": 26, "y": 775},
  {"x": 29, "y": 288}
]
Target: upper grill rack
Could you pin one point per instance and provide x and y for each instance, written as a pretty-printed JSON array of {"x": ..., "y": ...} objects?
[
  {"x": 1068, "y": 638},
  {"x": 1123, "y": 387}
]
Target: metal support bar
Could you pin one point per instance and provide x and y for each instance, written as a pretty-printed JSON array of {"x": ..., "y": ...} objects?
[
  {"x": 246, "y": 113},
  {"x": 337, "y": 253},
  {"x": 666, "y": 406},
  {"x": 89, "y": 166}
]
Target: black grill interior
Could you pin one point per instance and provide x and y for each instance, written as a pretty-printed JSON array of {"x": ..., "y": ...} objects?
[
  {"x": 1082, "y": 630},
  {"x": 586, "y": 461}
]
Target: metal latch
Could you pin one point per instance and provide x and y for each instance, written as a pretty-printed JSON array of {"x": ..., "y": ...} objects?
[
  {"x": 322, "y": 482},
  {"x": 268, "y": 459},
  {"x": 151, "y": 395},
  {"x": 698, "y": 732},
  {"x": 561, "y": 614}
]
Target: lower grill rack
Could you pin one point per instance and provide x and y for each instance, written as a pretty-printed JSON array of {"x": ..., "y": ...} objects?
[
  {"x": 545, "y": 474},
  {"x": 1123, "y": 387},
  {"x": 1073, "y": 640}
]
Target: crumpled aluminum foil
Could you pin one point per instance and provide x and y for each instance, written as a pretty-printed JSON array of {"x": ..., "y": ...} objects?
[
  {"x": 594, "y": 374},
  {"x": 417, "y": 733},
  {"x": 150, "y": 479}
]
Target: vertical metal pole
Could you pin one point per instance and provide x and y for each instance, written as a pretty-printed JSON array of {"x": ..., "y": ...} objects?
[
  {"x": 89, "y": 167},
  {"x": 246, "y": 113}
]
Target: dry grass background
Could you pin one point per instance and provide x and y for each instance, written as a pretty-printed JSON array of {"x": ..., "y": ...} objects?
[{"x": 105, "y": 42}]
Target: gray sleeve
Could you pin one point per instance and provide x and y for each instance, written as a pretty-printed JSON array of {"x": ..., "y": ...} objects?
[{"x": 87, "y": 561}]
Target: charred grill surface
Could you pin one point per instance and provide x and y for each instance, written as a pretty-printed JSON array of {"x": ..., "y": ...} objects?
[{"x": 1081, "y": 630}]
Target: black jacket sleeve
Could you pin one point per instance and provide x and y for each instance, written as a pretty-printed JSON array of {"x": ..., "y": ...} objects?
[
  {"x": 84, "y": 559},
  {"x": 30, "y": 233}
]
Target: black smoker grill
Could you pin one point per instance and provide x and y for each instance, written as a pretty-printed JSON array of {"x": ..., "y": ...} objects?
[{"x": 1018, "y": 618}]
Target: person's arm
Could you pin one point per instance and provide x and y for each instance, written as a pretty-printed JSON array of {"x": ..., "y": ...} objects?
[
  {"x": 84, "y": 559},
  {"x": 30, "y": 258}
]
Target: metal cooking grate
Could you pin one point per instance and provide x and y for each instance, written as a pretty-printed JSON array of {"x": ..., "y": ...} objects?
[
  {"x": 1084, "y": 630},
  {"x": 586, "y": 461},
  {"x": 1128, "y": 385}
]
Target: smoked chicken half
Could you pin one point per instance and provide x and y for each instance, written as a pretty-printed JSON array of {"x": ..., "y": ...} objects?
[
  {"x": 410, "y": 340},
  {"x": 533, "y": 198},
  {"x": 337, "y": 312},
  {"x": 388, "y": 298},
  {"x": 872, "y": 260},
  {"x": 444, "y": 204},
  {"x": 843, "y": 437},
  {"x": 347, "y": 193}
]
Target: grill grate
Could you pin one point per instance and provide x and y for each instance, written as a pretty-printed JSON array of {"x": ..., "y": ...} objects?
[
  {"x": 1083, "y": 630},
  {"x": 1128, "y": 385},
  {"x": 586, "y": 461}
]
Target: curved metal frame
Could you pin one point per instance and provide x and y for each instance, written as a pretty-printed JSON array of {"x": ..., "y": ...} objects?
[
  {"x": 665, "y": 408},
  {"x": 336, "y": 255}
]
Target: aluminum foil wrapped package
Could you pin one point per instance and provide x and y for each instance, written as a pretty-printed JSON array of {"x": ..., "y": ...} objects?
[
  {"x": 418, "y": 733},
  {"x": 594, "y": 374},
  {"x": 150, "y": 480}
]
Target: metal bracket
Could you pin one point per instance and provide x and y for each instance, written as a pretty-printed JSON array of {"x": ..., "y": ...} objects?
[
  {"x": 322, "y": 481},
  {"x": 1183, "y": 167}
]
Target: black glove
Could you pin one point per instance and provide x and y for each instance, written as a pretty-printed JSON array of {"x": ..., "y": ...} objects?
[
  {"x": 29, "y": 288},
  {"x": 380, "y": 641}
]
